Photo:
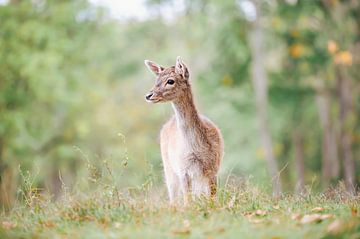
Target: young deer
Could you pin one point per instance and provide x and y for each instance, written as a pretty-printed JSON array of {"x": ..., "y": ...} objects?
[{"x": 191, "y": 145}]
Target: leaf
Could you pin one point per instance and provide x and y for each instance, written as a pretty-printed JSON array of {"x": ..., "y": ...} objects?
[
  {"x": 296, "y": 50},
  {"x": 354, "y": 211},
  {"x": 8, "y": 225},
  {"x": 336, "y": 227},
  {"x": 315, "y": 218},
  {"x": 277, "y": 207},
  {"x": 186, "y": 223},
  {"x": 260, "y": 212},
  {"x": 182, "y": 232},
  {"x": 317, "y": 209},
  {"x": 343, "y": 58},
  {"x": 295, "y": 33},
  {"x": 260, "y": 153},
  {"x": 256, "y": 221},
  {"x": 312, "y": 218},
  {"x": 249, "y": 214},
  {"x": 47, "y": 223},
  {"x": 332, "y": 47},
  {"x": 215, "y": 231},
  {"x": 227, "y": 80},
  {"x": 117, "y": 224},
  {"x": 296, "y": 216},
  {"x": 326, "y": 216}
]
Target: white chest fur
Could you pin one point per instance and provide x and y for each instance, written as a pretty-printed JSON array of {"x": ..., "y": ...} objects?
[{"x": 179, "y": 154}]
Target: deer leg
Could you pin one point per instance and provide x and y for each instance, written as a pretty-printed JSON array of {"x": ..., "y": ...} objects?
[
  {"x": 213, "y": 186},
  {"x": 172, "y": 184},
  {"x": 200, "y": 185},
  {"x": 185, "y": 183}
]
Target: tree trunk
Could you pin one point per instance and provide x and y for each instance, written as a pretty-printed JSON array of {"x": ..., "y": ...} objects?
[
  {"x": 330, "y": 160},
  {"x": 299, "y": 161},
  {"x": 7, "y": 184},
  {"x": 55, "y": 182},
  {"x": 346, "y": 111},
  {"x": 259, "y": 79}
]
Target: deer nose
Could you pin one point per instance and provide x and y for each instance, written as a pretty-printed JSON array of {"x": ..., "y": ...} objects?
[{"x": 148, "y": 96}]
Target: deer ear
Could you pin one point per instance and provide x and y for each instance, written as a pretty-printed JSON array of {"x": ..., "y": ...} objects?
[
  {"x": 153, "y": 67},
  {"x": 181, "y": 68}
]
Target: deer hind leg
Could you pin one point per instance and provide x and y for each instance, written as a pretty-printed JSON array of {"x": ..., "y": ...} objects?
[
  {"x": 200, "y": 187},
  {"x": 200, "y": 184},
  {"x": 213, "y": 186}
]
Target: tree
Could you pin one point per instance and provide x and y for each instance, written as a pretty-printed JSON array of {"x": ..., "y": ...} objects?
[
  {"x": 260, "y": 83},
  {"x": 43, "y": 64}
]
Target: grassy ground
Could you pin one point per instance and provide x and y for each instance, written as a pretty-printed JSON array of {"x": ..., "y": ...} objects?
[{"x": 239, "y": 211}]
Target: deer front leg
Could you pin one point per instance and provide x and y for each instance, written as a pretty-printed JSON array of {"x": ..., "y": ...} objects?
[
  {"x": 185, "y": 183},
  {"x": 172, "y": 184}
]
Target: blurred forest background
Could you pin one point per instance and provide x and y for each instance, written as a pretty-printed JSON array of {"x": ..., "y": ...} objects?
[{"x": 280, "y": 78}]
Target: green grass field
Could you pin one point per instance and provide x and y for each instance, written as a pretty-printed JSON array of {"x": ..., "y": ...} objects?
[{"x": 241, "y": 210}]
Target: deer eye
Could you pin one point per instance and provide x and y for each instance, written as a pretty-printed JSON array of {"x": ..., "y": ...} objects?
[{"x": 170, "y": 82}]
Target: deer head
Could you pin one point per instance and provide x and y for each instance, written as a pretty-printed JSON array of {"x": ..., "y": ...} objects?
[{"x": 170, "y": 82}]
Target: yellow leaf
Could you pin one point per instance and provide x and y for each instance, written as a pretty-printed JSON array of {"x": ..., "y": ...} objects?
[
  {"x": 296, "y": 50},
  {"x": 276, "y": 23},
  {"x": 354, "y": 211},
  {"x": 334, "y": 2},
  {"x": 343, "y": 58},
  {"x": 227, "y": 80},
  {"x": 294, "y": 33},
  {"x": 278, "y": 149},
  {"x": 260, "y": 153},
  {"x": 332, "y": 47}
]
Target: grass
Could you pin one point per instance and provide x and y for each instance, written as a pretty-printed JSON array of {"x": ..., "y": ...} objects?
[{"x": 241, "y": 210}]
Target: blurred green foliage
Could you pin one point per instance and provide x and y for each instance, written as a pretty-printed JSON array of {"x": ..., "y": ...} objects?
[{"x": 72, "y": 84}]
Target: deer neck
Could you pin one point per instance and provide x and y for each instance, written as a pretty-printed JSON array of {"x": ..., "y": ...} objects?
[{"x": 187, "y": 117}]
